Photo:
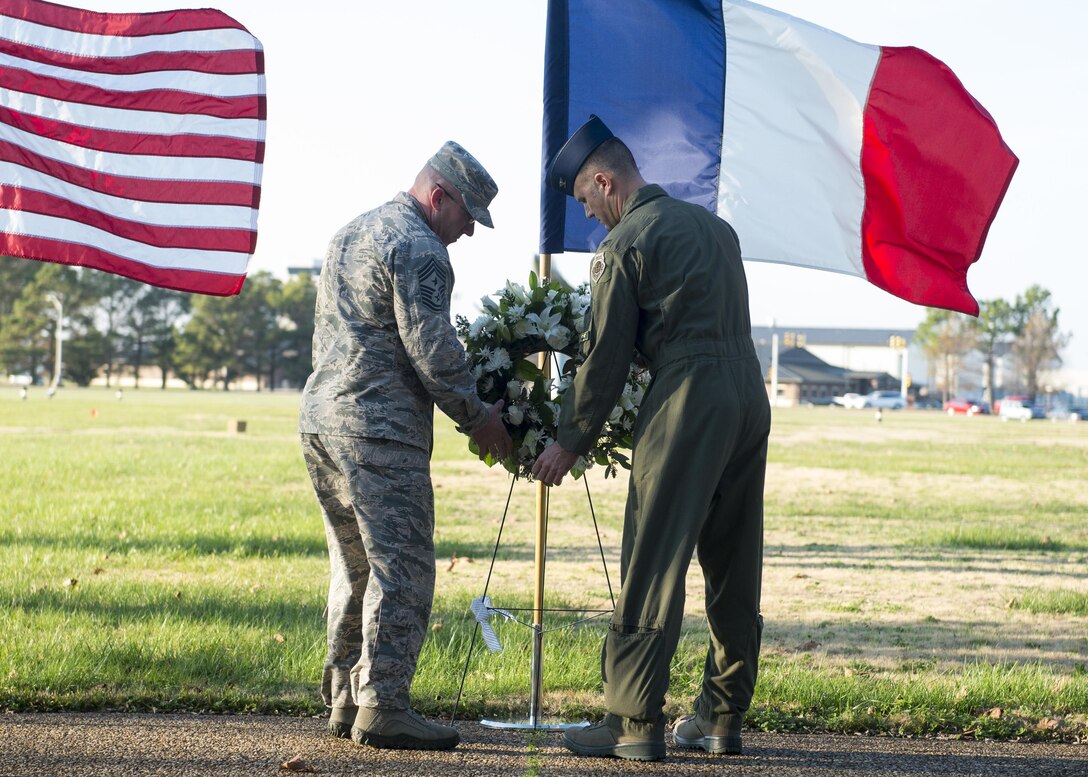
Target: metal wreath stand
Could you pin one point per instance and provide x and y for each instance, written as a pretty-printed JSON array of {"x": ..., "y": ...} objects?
[{"x": 482, "y": 608}]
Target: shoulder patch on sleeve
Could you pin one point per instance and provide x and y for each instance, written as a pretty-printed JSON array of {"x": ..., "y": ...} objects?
[
  {"x": 596, "y": 268},
  {"x": 433, "y": 286}
]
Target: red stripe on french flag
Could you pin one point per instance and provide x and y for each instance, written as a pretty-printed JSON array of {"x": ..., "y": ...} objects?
[{"x": 935, "y": 171}]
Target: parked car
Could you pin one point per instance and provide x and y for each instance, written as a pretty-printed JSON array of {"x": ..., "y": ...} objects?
[
  {"x": 884, "y": 400},
  {"x": 1026, "y": 400},
  {"x": 851, "y": 400},
  {"x": 1067, "y": 413},
  {"x": 961, "y": 406},
  {"x": 928, "y": 403},
  {"x": 1018, "y": 410}
]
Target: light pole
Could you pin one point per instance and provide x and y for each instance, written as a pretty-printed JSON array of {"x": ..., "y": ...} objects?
[
  {"x": 901, "y": 347},
  {"x": 58, "y": 303}
]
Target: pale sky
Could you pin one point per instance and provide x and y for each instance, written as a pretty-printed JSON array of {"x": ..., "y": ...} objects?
[{"x": 362, "y": 92}]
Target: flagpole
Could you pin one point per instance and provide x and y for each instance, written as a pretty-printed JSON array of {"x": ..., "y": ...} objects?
[
  {"x": 536, "y": 720},
  {"x": 537, "y": 681}
]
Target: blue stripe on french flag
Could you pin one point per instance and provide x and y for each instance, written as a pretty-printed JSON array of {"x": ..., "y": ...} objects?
[{"x": 821, "y": 151}]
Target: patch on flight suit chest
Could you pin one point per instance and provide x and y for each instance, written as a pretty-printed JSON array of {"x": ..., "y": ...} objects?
[
  {"x": 432, "y": 286},
  {"x": 596, "y": 268}
]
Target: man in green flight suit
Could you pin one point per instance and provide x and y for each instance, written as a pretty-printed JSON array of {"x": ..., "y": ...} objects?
[{"x": 668, "y": 284}]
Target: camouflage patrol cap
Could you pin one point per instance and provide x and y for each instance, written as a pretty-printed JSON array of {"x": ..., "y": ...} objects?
[
  {"x": 574, "y": 153},
  {"x": 469, "y": 177}
]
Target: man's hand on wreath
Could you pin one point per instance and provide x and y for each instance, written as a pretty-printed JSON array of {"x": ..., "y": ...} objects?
[
  {"x": 492, "y": 437},
  {"x": 553, "y": 464}
]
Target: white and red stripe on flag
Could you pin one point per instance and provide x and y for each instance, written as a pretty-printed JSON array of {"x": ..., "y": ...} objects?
[
  {"x": 131, "y": 143},
  {"x": 877, "y": 159}
]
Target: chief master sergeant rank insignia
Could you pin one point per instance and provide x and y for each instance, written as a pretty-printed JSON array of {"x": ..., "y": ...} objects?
[{"x": 432, "y": 285}]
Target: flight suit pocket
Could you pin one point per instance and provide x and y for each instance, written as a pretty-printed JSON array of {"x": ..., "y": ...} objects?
[{"x": 632, "y": 672}]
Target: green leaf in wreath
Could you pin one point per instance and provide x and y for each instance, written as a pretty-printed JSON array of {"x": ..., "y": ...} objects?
[
  {"x": 526, "y": 370},
  {"x": 539, "y": 393}
]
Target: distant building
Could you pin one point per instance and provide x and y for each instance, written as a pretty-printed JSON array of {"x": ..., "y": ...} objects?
[
  {"x": 817, "y": 363},
  {"x": 313, "y": 268}
]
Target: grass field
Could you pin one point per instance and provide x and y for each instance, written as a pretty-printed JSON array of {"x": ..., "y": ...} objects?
[{"x": 924, "y": 575}]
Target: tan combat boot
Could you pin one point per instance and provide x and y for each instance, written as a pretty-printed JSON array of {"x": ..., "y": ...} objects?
[
  {"x": 618, "y": 738},
  {"x": 694, "y": 731},
  {"x": 401, "y": 730},
  {"x": 341, "y": 719}
]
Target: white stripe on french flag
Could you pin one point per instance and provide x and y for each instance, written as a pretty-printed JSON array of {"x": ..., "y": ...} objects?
[
  {"x": 821, "y": 151},
  {"x": 131, "y": 143}
]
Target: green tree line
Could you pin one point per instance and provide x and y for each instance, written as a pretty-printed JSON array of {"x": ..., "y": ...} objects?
[
  {"x": 1025, "y": 328},
  {"x": 113, "y": 326}
]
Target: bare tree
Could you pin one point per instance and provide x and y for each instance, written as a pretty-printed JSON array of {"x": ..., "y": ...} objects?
[
  {"x": 997, "y": 323},
  {"x": 945, "y": 337},
  {"x": 1038, "y": 345}
]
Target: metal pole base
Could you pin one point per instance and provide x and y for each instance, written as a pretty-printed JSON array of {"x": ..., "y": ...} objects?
[
  {"x": 528, "y": 725},
  {"x": 534, "y": 723}
]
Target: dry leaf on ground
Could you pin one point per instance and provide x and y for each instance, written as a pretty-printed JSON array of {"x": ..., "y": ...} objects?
[{"x": 296, "y": 764}]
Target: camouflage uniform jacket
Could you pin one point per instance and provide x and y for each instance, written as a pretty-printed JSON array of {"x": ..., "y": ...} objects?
[{"x": 384, "y": 350}]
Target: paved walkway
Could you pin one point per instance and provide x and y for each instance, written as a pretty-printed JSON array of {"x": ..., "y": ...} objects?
[{"x": 94, "y": 745}]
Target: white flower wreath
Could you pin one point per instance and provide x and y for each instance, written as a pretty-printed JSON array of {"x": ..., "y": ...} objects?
[{"x": 521, "y": 322}]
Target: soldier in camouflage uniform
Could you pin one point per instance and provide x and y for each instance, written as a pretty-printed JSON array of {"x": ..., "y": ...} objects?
[
  {"x": 384, "y": 354},
  {"x": 668, "y": 283}
]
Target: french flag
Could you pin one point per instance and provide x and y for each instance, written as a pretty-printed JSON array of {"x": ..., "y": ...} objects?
[{"x": 822, "y": 152}]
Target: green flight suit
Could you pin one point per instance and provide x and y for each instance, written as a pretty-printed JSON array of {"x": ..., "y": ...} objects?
[{"x": 668, "y": 282}]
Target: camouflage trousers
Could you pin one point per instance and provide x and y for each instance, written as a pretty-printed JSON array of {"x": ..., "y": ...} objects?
[{"x": 378, "y": 507}]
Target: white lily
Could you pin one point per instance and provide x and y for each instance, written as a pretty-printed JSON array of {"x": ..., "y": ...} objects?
[
  {"x": 527, "y": 327},
  {"x": 518, "y": 293},
  {"x": 558, "y": 337}
]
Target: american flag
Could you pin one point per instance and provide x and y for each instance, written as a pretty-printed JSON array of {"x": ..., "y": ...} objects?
[{"x": 131, "y": 143}]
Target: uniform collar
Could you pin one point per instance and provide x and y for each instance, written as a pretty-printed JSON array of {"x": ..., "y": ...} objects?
[
  {"x": 404, "y": 198},
  {"x": 408, "y": 201},
  {"x": 649, "y": 192}
]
